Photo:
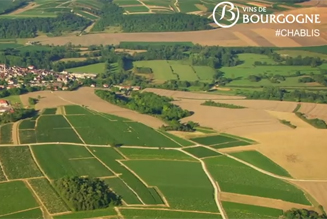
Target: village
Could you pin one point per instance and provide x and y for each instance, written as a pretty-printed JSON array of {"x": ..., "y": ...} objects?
[{"x": 17, "y": 77}]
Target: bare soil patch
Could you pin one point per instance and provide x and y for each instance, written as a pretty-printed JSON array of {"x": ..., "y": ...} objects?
[
  {"x": 94, "y": 102},
  {"x": 294, "y": 119},
  {"x": 233, "y": 121},
  {"x": 300, "y": 151},
  {"x": 260, "y": 201},
  {"x": 245, "y": 39},
  {"x": 48, "y": 100},
  {"x": 318, "y": 190}
]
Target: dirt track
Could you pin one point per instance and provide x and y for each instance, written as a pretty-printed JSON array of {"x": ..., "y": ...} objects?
[{"x": 260, "y": 201}]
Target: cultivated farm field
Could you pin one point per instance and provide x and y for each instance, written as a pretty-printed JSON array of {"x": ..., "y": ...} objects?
[{"x": 152, "y": 176}]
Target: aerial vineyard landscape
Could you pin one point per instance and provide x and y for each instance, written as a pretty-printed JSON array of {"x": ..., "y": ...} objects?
[{"x": 168, "y": 109}]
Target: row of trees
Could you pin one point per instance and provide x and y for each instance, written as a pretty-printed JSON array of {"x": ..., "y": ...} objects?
[
  {"x": 146, "y": 103},
  {"x": 29, "y": 27},
  {"x": 295, "y": 213},
  {"x": 83, "y": 193},
  {"x": 276, "y": 93},
  {"x": 16, "y": 114}
]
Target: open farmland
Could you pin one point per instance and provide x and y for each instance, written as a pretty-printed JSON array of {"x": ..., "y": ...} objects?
[
  {"x": 239, "y": 35},
  {"x": 109, "y": 156},
  {"x": 201, "y": 152},
  {"x": 68, "y": 160},
  {"x": 46, "y": 8},
  {"x": 18, "y": 162},
  {"x": 243, "y": 211},
  {"x": 107, "y": 212},
  {"x": 164, "y": 214},
  {"x": 178, "y": 185},
  {"x": 6, "y": 134},
  {"x": 176, "y": 70},
  {"x": 146, "y": 154},
  {"x": 236, "y": 177},
  {"x": 105, "y": 131},
  {"x": 222, "y": 141},
  {"x": 94, "y": 68},
  {"x": 48, "y": 128},
  {"x": 119, "y": 186},
  {"x": 34, "y": 213},
  {"x": 15, "y": 197},
  {"x": 257, "y": 159},
  {"x": 48, "y": 195}
]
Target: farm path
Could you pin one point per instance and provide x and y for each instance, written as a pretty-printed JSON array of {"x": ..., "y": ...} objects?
[
  {"x": 45, "y": 212},
  {"x": 3, "y": 171},
  {"x": 71, "y": 125},
  {"x": 213, "y": 182},
  {"x": 37, "y": 163},
  {"x": 168, "y": 209},
  {"x": 261, "y": 201},
  {"x": 175, "y": 4},
  {"x": 15, "y": 133},
  {"x": 28, "y": 209},
  {"x": 145, "y": 5}
]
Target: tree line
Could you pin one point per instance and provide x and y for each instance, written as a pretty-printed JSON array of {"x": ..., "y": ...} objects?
[
  {"x": 152, "y": 104},
  {"x": 84, "y": 193},
  {"x": 276, "y": 93},
  {"x": 29, "y": 27},
  {"x": 16, "y": 114}
]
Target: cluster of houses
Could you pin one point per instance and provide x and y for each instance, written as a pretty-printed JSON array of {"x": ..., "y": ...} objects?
[
  {"x": 14, "y": 77},
  {"x": 5, "y": 107}
]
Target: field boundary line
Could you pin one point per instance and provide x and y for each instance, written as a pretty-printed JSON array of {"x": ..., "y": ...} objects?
[
  {"x": 28, "y": 209},
  {"x": 137, "y": 176},
  {"x": 169, "y": 209},
  {"x": 214, "y": 184},
  {"x": 45, "y": 211},
  {"x": 121, "y": 154},
  {"x": 3, "y": 170},
  {"x": 118, "y": 212},
  {"x": 79, "y": 136},
  {"x": 116, "y": 174},
  {"x": 81, "y": 158},
  {"x": 160, "y": 159},
  {"x": 63, "y": 110},
  {"x": 61, "y": 213},
  {"x": 169, "y": 138},
  {"x": 37, "y": 163}
]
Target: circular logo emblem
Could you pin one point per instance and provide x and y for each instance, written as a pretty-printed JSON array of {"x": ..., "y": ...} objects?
[{"x": 232, "y": 9}]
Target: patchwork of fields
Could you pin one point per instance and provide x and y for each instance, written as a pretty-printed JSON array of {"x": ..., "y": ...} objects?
[
  {"x": 156, "y": 173},
  {"x": 176, "y": 70}
]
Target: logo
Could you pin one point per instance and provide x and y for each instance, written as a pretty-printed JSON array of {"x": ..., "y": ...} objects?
[{"x": 235, "y": 15}]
